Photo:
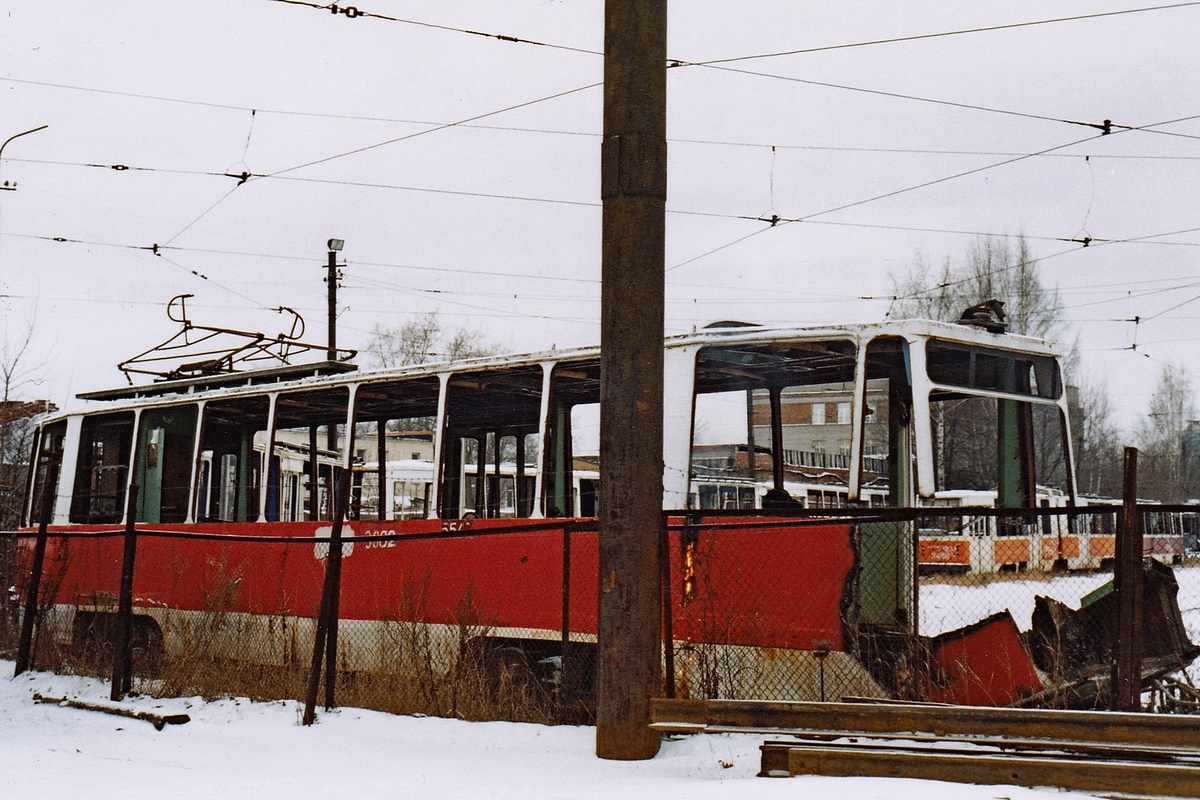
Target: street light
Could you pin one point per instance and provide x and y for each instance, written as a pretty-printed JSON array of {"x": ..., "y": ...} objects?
[{"x": 13, "y": 186}]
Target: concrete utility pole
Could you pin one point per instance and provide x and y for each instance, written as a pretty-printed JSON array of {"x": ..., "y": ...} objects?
[{"x": 633, "y": 187}]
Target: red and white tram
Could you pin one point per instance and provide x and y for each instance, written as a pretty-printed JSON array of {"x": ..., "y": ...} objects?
[{"x": 895, "y": 414}]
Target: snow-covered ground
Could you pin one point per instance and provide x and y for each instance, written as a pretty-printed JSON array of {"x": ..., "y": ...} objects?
[
  {"x": 947, "y": 606},
  {"x": 235, "y": 749}
]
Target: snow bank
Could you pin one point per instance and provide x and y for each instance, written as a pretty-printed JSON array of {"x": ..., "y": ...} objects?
[
  {"x": 946, "y": 606},
  {"x": 236, "y": 748}
]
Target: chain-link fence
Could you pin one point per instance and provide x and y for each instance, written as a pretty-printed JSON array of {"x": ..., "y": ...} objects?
[{"x": 494, "y": 619}]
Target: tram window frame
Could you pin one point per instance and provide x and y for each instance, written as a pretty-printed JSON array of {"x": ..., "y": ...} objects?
[
  {"x": 166, "y": 499},
  {"x": 574, "y": 388},
  {"x": 90, "y": 474},
  {"x": 232, "y": 427},
  {"x": 487, "y": 406},
  {"x": 990, "y": 369},
  {"x": 794, "y": 368},
  {"x": 48, "y": 446}
]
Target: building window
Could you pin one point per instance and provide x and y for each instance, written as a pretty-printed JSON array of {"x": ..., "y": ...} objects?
[
  {"x": 843, "y": 412},
  {"x": 818, "y": 413}
]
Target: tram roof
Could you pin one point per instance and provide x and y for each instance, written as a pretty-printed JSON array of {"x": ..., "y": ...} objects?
[{"x": 332, "y": 373}]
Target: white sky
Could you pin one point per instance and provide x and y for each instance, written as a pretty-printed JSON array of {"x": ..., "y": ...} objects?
[{"x": 263, "y": 245}]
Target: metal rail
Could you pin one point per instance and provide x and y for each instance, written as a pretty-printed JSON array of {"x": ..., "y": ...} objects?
[
  {"x": 1112, "y": 774},
  {"x": 1095, "y": 727},
  {"x": 1094, "y": 751},
  {"x": 1090, "y": 751}
]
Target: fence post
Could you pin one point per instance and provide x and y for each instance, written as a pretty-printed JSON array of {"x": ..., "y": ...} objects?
[
  {"x": 24, "y": 654},
  {"x": 668, "y": 621},
  {"x": 1126, "y": 681},
  {"x": 334, "y": 577},
  {"x": 327, "y": 616},
  {"x": 565, "y": 686},
  {"x": 122, "y": 668}
]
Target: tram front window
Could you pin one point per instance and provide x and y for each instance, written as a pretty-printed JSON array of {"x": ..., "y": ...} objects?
[{"x": 1008, "y": 446}]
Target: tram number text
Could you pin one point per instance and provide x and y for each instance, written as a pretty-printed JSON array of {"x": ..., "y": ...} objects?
[
  {"x": 456, "y": 524},
  {"x": 379, "y": 545}
]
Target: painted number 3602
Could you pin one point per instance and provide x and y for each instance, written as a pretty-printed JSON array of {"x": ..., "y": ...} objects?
[{"x": 379, "y": 545}]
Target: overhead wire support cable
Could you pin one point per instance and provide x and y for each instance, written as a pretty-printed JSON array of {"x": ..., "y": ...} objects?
[
  {"x": 414, "y": 135},
  {"x": 367, "y": 118},
  {"x": 943, "y": 34},
  {"x": 1104, "y": 127},
  {"x": 779, "y": 222},
  {"x": 353, "y": 12}
]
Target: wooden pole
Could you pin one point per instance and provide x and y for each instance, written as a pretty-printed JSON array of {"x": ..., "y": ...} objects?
[
  {"x": 1126, "y": 686},
  {"x": 333, "y": 575},
  {"x": 25, "y": 644},
  {"x": 327, "y": 616},
  {"x": 633, "y": 189},
  {"x": 122, "y": 665}
]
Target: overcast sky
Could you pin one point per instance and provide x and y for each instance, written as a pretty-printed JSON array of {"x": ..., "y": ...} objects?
[{"x": 496, "y": 223}]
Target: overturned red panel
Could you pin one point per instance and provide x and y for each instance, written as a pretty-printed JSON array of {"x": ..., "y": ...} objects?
[{"x": 983, "y": 664}]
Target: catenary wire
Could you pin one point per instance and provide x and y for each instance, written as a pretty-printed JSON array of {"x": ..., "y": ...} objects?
[
  {"x": 547, "y": 131},
  {"x": 358, "y": 12},
  {"x": 943, "y": 34},
  {"x": 406, "y": 137}
]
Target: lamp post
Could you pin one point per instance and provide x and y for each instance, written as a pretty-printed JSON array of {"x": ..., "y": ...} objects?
[
  {"x": 335, "y": 247},
  {"x": 13, "y": 186}
]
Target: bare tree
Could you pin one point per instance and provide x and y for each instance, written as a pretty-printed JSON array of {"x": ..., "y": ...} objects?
[
  {"x": 993, "y": 268},
  {"x": 1098, "y": 441},
  {"x": 1160, "y": 437},
  {"x": 423, "y": 339},
  {"x": 18, "y": 372}
]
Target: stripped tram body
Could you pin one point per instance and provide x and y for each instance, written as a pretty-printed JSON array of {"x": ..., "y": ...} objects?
[{"x": 470, "y": 476}]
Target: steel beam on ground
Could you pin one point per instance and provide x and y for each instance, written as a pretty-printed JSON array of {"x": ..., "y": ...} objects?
[
  {"x": 1109, "y": 727},
  {"x": 1064, "y": 772}
]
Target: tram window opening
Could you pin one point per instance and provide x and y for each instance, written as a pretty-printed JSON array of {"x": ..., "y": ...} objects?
[
  {"x": 750, "y": 395},
  {"x": 1011, "y": 450},
  {"x": 571, "y": 455},
  {"x": 308, "y": 454},
  {"x": 49, "y": 450},
  {"x": 166, "y": 442},
  {"x": 885, "y": 476},
  {"x": 102, "y": 474},
  {"x": 585, "y": 459},
  {"x": 233, "y": 442},
  {"x": 990, "y": 369},
  {"x": 1049, "y": 442},
  {"x": 722, "y": 438},
  {"x": 491, "y": 418},
  {"x": 407, "y": 410}
]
